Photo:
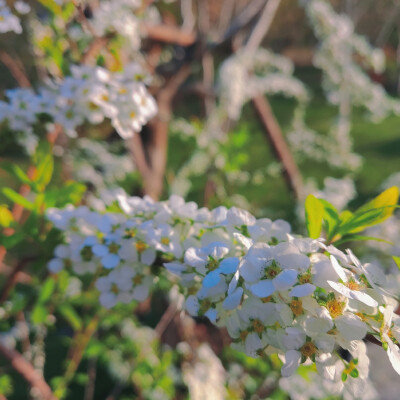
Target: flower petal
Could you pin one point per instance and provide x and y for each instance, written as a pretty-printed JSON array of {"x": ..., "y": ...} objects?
[
  {"x": 302, "y": 290},
  {"x": 262, "y": 288},
  {"x": 233, "y": 300},
  {"x": 292, "y": 362},
  {"x": 285, "y": 279}
]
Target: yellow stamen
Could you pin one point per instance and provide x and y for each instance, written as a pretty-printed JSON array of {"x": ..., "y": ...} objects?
[
  {"x": 335, "y": 308},
  {"x": 297, "y": 307},
  {"x": 141, "y": 246},
  {"x": 258, "y": 326},
  {"x": 308, "y": 349}
]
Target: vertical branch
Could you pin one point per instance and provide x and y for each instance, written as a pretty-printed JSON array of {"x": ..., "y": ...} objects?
[
  {"x": 263, "y": 25},
  {"x": 157, "y": 150},
  {"x": 81, "y": 340},
  {"x": 16, "y": 68},
  {"x": 274, "y": 135}
]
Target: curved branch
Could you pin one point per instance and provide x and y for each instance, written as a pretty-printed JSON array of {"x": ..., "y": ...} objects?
[{"x": 26, "y": 370}]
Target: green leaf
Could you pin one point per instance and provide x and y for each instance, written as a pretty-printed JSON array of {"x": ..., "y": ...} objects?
[
  {"x": 331, "y": 218},
  {"x": 39, "y": 314},
  {"x": 16, "y": 171},
  {"x": 344, "y": 376},
  {"x": 6, "y": 216},
  {"x": 44, "y": 162},
  {"x": 396, "y": 259},
  {"x": 70, "y": 316},
  {"x": 17, "y": 198},
  {"x": 71, "y": 192},
  {"x": 46, "y": 291},
  {"x": 314, "y": 216},
  {"x": 389, "y": 197},
  {"x": 356, "y": 238},
  {"x": 371, "y": 213},
  {"x": 11, "y": 241}
]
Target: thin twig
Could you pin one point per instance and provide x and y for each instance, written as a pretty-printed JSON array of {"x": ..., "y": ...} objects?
[
  {"x": 168, "y": 34},
  {"x": 26, "y": 370},
  {"x": 166, "y": 319},
  {"x": 81, "y": 339},
  {"x": 263, "y": 25},
  {"x": 187, "y": 15},
  {"x": 274, "y": 135},
  {"x": 16, "y": 69}
]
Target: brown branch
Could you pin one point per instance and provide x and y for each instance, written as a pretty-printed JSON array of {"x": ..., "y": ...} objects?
[
  {"x": 12, "y": 279},
  {"x": 81, "y": 340},
  {"x": 263, "y": 25},
  {"x": 168, "y": 34},
  {"x": 94, "y": 48},
  {"x": 158, "y": 146},
  {"x": 16, "y": 69},
  {"x": 26, "y": 370},
  {"x": 166, "y": 319},
  {"x": 274, "y": 134}
]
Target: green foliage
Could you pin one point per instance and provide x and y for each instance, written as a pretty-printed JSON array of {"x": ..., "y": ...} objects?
[
  {"x": 314, "y": 216},
  {"x": 6, "y": 387},
  {"x": 343, "y": 227}
]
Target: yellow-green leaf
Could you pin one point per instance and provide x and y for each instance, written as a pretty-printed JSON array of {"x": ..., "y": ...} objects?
[
  {"x": 389, "y": 197},
  {"x": 396, "y": 259},
  {"x": 6, "y": 217},
  {"x": 314, "y": 215}
]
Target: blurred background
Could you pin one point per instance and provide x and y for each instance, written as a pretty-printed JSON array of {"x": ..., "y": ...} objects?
[{"x": 259, "y": 104}]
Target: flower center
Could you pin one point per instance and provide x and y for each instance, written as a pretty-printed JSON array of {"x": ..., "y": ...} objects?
[
  {"x": 308, "y": 349},
  {"x": 258, "y": 326},
  {"x": 86, "y": 253},
  {"x": 165, "y": 240},
  {"x": 243, "y": 335},
  {"x": 297, "y": 307},
  {"x": 141, "y": 246},
  {"x": 353, "y": 285},
  {"x": 114, "y": 288},
  {"x": 113, "y": 248},
  {"x": 212, "y": 264},
  {"x": 305, "y": 278},
  {"x": 335, "y": 308},
  {"x": 137, "y": 280},
  {"x": 272, "y": 271}
]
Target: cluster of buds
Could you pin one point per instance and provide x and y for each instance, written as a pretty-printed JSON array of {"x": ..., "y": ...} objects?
[{"x": 276, "y": 293}]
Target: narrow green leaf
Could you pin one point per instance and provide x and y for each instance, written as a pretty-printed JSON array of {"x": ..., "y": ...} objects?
[
  {"x": 17, "y": 198},
  {"x": 39, "y": 314},
  {"x": 46, "y": 291},
  {"x": 71, "y": 316},
  {"x": 45, "y": 165},
  {"x": 6, "y": 216},
  {"x": 16, "y": 171},
  {"x": 331, "y": 218},
  {"x": 356, "y": 238},
  {"x": 314, "y": 216},
  {"x": 389, "y": 197},
  {"x": 396, "y": 259},
  {"x": 11, "y": 241}
]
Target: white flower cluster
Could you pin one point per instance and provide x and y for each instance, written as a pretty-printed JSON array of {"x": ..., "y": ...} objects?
[
  {"x": 89, "y": 94},
  {"x": 342, "y": 75},
  {"x": 243, "y": 76},
  {"x": 274, "y": 292},
  {"x": 98, "y": 163},
  {"x": 118, "y": 16},
  {"x": 9, "y": 22}
]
